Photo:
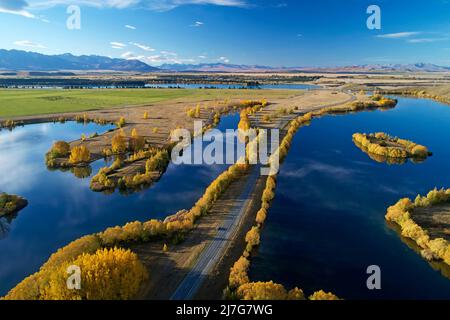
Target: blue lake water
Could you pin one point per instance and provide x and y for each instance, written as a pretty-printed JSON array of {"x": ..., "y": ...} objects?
[
  {"x": 326, "y": 224},
  {"x": 63, "y": 208}
]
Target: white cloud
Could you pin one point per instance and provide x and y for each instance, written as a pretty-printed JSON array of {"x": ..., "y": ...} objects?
[
  {"x": 27, "y": 43},
  {"x": 128, "y": 26},
  {"x": 168, "y": 53},
  {"x": 117, "y": 45},
  {"x": 224, "y": 60},
  {"x": 202, "y": 57},
  {"x": 117, "y": 4},
  {"x": 165, "y": 5},
  {"x": 167, "y": 57},
  {"x": 197, "y": 24},
  {"x": 24, "y": 8},
  {"x": 142, "y": 46},
  {"x": 16, "y": 7},
  {"x": 127, "y": 55},
  {"x": 158, "y": 5},
  {"x": 426, "y": 40},
  {"x": 398, "y": 35}
]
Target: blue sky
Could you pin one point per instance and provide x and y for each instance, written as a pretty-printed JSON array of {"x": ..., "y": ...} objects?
[{"x": 270, "y": 32}]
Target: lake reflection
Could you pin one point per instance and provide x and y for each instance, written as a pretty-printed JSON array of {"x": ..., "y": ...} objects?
[
  {"x": 63, "y": 208},
  {"x": 326, "y": 225}
]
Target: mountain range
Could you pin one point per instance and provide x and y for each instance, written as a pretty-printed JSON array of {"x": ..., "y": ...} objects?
[
  {"x": 32, "y": 61},
  {"x": 18, "y": 60}
]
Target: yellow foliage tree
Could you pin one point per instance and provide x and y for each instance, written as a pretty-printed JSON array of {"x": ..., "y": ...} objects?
[
  {"x": 238, "y": 273},
  {"x": 119, "y": 143},
  {"x": 109, "y": 274},
  {"x": 244, "y": 123},
  {"x": 252, "y": 238},
  {"x": 262, "y": 291},
  {"x": 121, "y": 122},
  {"x": 197, "y": 111},
  {"x": 137, "y": 142},
  {"x": 322, "y": 295},
  {"x": 60, "y": 149},
  {"x": 79, "y": 154}
]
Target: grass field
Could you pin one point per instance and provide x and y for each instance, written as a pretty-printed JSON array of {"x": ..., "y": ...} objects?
[{"x": 18, "y": 102}]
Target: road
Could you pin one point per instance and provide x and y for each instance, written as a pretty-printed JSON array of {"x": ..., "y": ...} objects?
[{"x": 217, "y": 246}]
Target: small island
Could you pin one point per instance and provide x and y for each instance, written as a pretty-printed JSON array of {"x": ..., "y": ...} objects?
[
  {"x": 10, "y": 204},
  {"x": 426, "y": 221},
  {"x": 381, "y": 146},
  {"x": 61, "y": 155}
]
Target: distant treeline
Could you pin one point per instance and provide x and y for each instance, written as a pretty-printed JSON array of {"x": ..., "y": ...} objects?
[
  {"x": 229, "y": 79},
  {"x": 40, "y": 80},
  {"x": 70, "y": 83}
]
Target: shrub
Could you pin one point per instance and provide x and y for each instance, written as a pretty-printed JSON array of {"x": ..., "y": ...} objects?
[
  {"x": 121, "y": 122},
  {"x": 238, "y": 273},
  {"x": 261, "y": 216},
  {"x": 244, "y": 123},
  {"x": 420, "y": 151},
  {"x": 79, "y": 154},
  {"x": 119, "y": 143},
  {"x": 252, "y": 238},
  {"x": 60, "y": 149},
  {"x": 322, "y": 295},
  {"x": 137, "y": 142},
  {"x": 262, "y": 291},
  {"x": 296, "y": 294},
  {"x": 158, "y": 162},
  {"x": 191, "y": 113},
  {"x": 11, "y": 204}
]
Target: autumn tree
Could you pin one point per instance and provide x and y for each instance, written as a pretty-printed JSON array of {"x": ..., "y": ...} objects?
[
  {"x": 119, "y": 143},
  {"x": 108, "y": 274},
  {"x": 197, "y": 111},
  {"x": 60, "y": 149},
  {"x": 145, "y": 115},
  {"x": 79, "y": 154},
  {"x": 252, "y": 238},
  {"x": 322, "y": 295},
  {"x": 261, "y": 216},
  {"x": 137, "y": 142},
  {"x": 121, "y": 122},
  {"x": 244, "y": 123},
  {"x": 262, "y": 291},
  {"x": 158, "y": 162},
  {"x": 239, "y": 273}
]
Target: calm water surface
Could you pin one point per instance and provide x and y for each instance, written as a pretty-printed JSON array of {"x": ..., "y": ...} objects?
[
  {"x": 326, "y": 225},
  {"x": 63, "y": 208}
]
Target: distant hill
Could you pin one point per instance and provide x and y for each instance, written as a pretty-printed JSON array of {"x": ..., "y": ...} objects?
[
  {"x": 417, "y": 67},
  {"x": 222, "y": 67},
  {"x": 32, "y": 61},
  {"x": 218, "y": 67},
  {"x": 18, "y": 60}
]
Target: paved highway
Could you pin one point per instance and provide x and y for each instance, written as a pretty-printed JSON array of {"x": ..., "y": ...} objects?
[{"x": 217, "y": 247}]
